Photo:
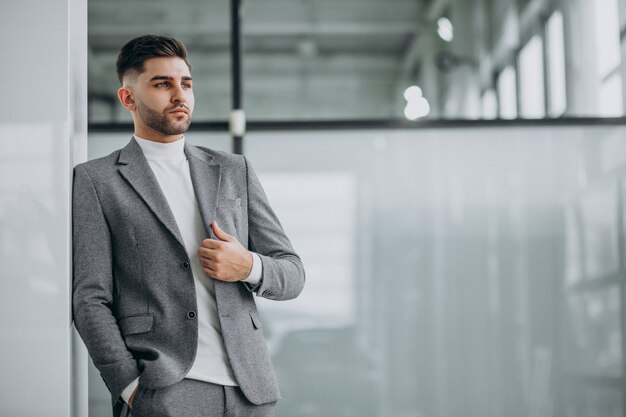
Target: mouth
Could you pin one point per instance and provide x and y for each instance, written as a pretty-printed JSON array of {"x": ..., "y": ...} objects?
[{"x": 180, "y": 112}]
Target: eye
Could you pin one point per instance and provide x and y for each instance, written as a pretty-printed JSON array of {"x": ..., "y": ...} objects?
[
  {"x": 186, "y": 85},
  {"x": 162, "y": 84}
]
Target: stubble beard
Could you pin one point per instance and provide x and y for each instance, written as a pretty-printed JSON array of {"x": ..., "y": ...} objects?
[{"x": 159, "y": 121}]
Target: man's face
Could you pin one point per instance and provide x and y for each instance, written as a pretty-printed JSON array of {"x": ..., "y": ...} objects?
[{"x": 162, "y": 99}]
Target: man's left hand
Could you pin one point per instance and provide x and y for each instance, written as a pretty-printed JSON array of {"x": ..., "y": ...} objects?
[{"x": 224, "y": 259}]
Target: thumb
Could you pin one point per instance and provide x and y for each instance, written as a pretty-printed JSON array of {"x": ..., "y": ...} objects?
[{"x": 221, "y": 235}]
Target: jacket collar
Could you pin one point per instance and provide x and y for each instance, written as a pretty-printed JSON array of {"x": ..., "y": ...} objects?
[{"x": 205, "y": 177}]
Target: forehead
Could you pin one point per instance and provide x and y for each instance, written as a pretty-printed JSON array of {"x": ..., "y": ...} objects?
[{"x": 165, "y": 66}]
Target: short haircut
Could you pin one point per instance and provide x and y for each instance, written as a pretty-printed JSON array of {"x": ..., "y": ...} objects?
[{"x": 138, "y": 50}]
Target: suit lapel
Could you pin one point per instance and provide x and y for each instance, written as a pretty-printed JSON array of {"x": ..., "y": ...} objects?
[
  {"x": 135, "y": 168},
  {"x": 205, "y": 177}
]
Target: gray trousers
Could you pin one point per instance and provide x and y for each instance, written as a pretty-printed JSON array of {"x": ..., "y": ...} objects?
[{"x": 191, "y": 398}]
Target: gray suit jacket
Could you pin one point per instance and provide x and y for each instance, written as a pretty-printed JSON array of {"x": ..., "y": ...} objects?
[{"x": 134, "y": 298}]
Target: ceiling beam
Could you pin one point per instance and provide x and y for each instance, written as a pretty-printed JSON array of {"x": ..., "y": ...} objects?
[{"x": 105, "y": 30}]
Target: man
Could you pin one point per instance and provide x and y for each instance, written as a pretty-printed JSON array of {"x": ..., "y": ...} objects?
[{"x": 171, "y": 241}]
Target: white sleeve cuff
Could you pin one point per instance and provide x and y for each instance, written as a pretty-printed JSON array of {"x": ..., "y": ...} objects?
[
  {"x": 257, "y": 270},
  {"x": 128, "y": 391}
]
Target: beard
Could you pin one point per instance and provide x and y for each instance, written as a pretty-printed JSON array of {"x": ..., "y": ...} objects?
[{"x": 160, "y": 122}]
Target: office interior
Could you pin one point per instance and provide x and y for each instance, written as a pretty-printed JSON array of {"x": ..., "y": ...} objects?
[{"x": 452, "y": 173}]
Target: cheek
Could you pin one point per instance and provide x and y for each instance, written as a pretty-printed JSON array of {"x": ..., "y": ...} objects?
[
  {"x": 191, "y": 101},
  {"x": 154, "y": 102}
]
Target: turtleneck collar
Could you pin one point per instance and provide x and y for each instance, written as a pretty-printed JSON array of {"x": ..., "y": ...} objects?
[{"x": 157, "y": 151}]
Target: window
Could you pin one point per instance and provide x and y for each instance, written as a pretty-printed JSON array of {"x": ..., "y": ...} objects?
[
  {"x": 610, "y": 96},
  {"x": 557, "y": 98},
  {"x": 490, "y": 104},
  {"x": 532, "y": 86},
  {"x": 606, "y": 19},
  {"x": 507, "y": 93}
]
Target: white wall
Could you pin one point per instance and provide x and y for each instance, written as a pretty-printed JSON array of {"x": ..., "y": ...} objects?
[{"x": 43, "y": 134}]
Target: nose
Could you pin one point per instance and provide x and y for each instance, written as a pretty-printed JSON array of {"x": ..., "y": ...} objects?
[{"x": 178, "y": 94}]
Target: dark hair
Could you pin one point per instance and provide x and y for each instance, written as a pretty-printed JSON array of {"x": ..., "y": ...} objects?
[{"x": 140, "y": 49}]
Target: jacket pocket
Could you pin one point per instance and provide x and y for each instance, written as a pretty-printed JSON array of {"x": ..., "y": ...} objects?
[
  {"x": 256, "y": 321},
  {"x": 140, "y": 323}
]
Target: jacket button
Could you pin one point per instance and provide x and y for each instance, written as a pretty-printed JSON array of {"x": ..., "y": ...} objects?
[
  {"x": 191, "y": 314},
  {"x": 185, "y": 264}
]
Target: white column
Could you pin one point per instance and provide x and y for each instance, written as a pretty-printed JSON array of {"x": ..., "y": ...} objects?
[{"x": 42, "y": 135}]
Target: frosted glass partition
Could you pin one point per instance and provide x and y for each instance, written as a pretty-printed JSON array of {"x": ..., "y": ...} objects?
[
  {"x": 475, "y": 272},
  {"x": 437, "y": 263}
]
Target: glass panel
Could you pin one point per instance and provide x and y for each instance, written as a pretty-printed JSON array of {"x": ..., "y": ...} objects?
[
  {"x": 459, "y": 229},
  {"x": 585, "y": 401},
  {"x": 435, "y": 260},
  {"x": 532, "y": 88},
  {"x": 600, "y": 231},
  {"x": 594, "y": 346},
  {"x": 573, "y": 247},
  {"x": 329, "y": 199}
]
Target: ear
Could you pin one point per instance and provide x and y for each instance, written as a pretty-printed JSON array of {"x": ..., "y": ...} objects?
[{"x": 125, "y": 95}]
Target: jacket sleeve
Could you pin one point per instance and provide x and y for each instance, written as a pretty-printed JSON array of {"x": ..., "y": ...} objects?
[
  {"x": 93, "y": 288},
  {"x": 283, "y": 273}
]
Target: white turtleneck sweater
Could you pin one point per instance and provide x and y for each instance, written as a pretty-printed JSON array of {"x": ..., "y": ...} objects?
[{"x": 171, "y": 168}]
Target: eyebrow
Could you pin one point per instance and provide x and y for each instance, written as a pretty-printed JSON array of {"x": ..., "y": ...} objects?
[{"x": 167, "y": 77}]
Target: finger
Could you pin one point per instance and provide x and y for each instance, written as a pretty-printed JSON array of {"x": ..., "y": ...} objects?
[
  {"x": 211, "y": 244},
  {"x": 220, "y": 234},
  {"x": 205, "y": 262},
  {"x": 210, "y": 272},
  {"x": 207, "y": 253}
]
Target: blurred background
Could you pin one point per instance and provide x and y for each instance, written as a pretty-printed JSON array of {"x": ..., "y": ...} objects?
[
  {"x": 354, "y": 59},
  {"x": 463, "y": 231},
  {"x": 452, "y": 173}
]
